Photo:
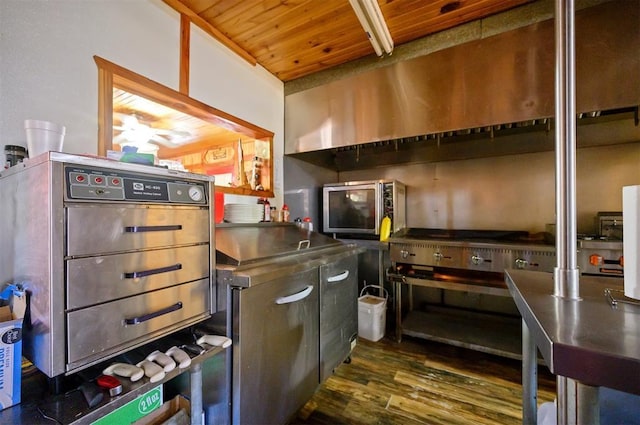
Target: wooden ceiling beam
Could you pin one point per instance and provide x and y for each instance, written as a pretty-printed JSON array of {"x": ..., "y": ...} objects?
[{"x": 211, "y": 30}]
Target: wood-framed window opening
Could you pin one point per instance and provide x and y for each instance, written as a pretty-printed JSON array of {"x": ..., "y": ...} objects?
[{"x": 218, "y": 134}]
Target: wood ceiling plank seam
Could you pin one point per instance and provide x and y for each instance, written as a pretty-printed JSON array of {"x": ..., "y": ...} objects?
[
  {"x": 222, "y": 17},
  {"x": 262, "y": 19},
  {"x": 327, "y": 62},
  {"x": 294, "y": 20},
  {"x": 292, "y": 28},
  {"x": 322, "y": 53},
  {"x": 294, "y": 42},
  {"x": 214, "y": 32},
  {"x": 232, "y": 32},
  {"x": 309, "y": 58},
  {"x": 198, "y": 6},
  {"x": 212, "y": 9}
]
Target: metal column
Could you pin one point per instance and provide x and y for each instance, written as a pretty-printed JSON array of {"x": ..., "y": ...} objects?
[
  {"x": 529, "y": 377},
  {"x": 195, "y": 379},
  {"x": 577, "y": 403}
]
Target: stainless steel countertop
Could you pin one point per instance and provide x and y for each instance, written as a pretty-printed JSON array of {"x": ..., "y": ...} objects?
[{"x": 586, "y": 340}]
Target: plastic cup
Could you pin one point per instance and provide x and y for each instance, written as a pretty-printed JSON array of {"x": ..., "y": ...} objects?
[{"x": 43, "y": 136}]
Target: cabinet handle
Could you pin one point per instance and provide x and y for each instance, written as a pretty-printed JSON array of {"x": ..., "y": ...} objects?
[
  {"x": 145, "y": 317},
  {"x": 144, "y": 273},
  {"x": 295, "y": 297},
  {"x": 339, "y": 277},
  {"x": 141, "y": 229}
]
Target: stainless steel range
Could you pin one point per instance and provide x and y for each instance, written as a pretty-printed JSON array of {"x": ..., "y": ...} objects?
[
  {"x": 471, "y": 264},
  {"x": 113, "y": 255}
]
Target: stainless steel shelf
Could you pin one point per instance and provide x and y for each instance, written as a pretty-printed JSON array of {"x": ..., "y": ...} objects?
[
  {"x": 489, "y": 333},
  {"x": 39, "y": 403}
]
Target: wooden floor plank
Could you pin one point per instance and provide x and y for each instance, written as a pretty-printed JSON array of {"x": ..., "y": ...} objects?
[{"x": 421, "y": 382}]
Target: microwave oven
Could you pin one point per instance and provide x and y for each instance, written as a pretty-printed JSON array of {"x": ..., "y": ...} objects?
[{"x": 359, "y": 207}]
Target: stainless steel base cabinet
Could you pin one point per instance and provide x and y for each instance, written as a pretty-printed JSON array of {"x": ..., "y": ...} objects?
[
  {"x": 276, "y": 352},
  {"x": 338, "y": 313}
]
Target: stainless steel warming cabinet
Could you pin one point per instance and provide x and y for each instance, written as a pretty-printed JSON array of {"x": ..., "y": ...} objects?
[
  {"x": 113, "y": 255},
  {"x": 291, "y": 299}
]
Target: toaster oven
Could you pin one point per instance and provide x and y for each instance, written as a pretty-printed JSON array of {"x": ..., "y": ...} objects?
[{"x": 358, "y": 207}]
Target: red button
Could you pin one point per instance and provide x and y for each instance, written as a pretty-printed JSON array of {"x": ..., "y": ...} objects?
[
  {"x": 115, "y": 181},
  {"x": 98, "y": 179},
  {"x": 80, "y": 178}
]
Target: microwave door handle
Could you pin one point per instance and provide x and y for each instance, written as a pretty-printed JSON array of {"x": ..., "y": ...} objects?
[{"x": 379, "y": 213}]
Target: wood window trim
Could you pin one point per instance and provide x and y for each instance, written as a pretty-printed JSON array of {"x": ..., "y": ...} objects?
[{"x": 112, "y": 76}]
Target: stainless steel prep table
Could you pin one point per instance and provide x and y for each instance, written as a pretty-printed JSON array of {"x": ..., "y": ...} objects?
[{"x": 587, "y": 340}]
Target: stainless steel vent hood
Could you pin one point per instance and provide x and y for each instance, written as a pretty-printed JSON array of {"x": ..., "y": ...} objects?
[{"x": 498, "y": 86}]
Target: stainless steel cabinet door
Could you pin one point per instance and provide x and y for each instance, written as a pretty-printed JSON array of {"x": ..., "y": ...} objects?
[
  {"x": 275, "y": 350},
  {"x": 338, "y": 312}
]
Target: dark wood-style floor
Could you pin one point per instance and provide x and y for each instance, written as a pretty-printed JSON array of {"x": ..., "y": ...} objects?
[{"x": 422, "y": 382}]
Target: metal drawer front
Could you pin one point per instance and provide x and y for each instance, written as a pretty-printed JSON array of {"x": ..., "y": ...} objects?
[
  {"x": 99, "y": 279},
  {"x": 98, "y": 331},
  {"x": 100, "y": 229}
]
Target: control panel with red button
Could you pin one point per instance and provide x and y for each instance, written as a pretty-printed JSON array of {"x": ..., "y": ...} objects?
[
  {"x": 89, "y": 183},
  {"x": 600, "y": 257}
]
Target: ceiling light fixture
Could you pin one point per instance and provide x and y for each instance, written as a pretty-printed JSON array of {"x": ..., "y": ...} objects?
[{"x": 374, "y": 25}]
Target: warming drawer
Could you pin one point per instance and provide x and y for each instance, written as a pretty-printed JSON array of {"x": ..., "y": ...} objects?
[
  {"x": 120, "y": 325},
  {"x": 95, "y": 280},
  {"x": 98, "y": 229}
]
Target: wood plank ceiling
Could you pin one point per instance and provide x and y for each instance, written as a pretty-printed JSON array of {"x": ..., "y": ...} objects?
[{"x": 295, "y": 38}]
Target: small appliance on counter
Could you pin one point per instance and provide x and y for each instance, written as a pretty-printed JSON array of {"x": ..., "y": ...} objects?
[
  {"x": 358, "y": 207},
  {"x": 610, "y": 225},
  {"x": 602, "y": 254}
]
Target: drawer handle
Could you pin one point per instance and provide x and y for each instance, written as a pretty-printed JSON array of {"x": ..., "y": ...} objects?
[
  {"x": 295, "y": 297},
  {"x": 339, "y": 277},
  {"x": 145, "y": 317},
  {"x": 144, "y": 273},
  {"x": 141, "y": 229}
]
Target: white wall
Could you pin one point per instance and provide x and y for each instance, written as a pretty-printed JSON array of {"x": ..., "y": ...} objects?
[{"x": 47, "y": 69}]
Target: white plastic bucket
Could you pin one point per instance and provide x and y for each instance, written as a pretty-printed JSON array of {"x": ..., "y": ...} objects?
[
  {"x": 43, "y": 136},
  {"x": 372, "y": 312}
]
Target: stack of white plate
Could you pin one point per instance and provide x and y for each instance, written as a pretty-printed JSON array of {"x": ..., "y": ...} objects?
[{"x": 243, "y": 213}]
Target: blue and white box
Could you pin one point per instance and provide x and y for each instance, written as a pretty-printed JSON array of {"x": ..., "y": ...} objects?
[{"x": 11, "y": 350}]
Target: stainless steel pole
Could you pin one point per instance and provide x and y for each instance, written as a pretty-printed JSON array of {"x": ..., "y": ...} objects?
[
  {"x": 529, "y": 377},
  {"x": 195, "y": 377},
  {"x": 566, "y": 276},
  {"x": 576, "y": 403}
]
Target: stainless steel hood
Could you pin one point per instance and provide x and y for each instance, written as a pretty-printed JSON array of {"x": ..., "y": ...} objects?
[{"x": 501, "y": 85}]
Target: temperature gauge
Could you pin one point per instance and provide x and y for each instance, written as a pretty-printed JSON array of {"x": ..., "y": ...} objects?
[{"x": 195, "y": 193}]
